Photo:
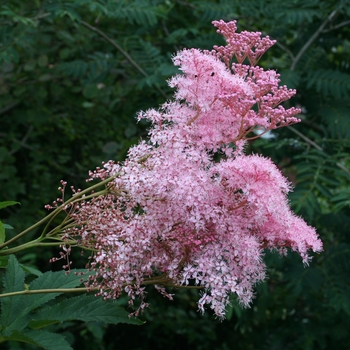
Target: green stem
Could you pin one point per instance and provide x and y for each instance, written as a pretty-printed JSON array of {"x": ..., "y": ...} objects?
[
  {"x": 318, "y": 147},
  {"x": 33, "y": 244},
  {"x": 81, "y": 290},
  {"x": 65, "y": 223},
  {"x": 313, "y": 37},
  {"x": 95, "y": 194},
  {"x": 42, "y": 291},
  {"x": 21, "y": 234},
  {"x": 77, "y": 199},
  {"x": 123, "y": 52},
  {"x": 43, "y": 233},
  {"x": 58, "y": 210}
]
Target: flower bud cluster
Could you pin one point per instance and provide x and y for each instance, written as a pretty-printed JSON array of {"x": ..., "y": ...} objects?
[{"x": 175, "y": 215}]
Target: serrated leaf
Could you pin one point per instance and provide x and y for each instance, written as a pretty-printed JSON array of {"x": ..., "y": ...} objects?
[
  {"x": 31, "y": 270},
  {"x": 3, "y": 261},
  {"x": 14, "y": 277},
  {"x": 43, "y": 339},
  {"x": 17, "y": 312},
  {"x": 52, "y": 280},
  {"x": 7, "y": 204},
  {"x": 12, "y": 306},
  {"x": 85, "y": 308}
]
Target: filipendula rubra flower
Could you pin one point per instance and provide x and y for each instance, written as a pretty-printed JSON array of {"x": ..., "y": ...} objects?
[{"x": 174, "y": 216}]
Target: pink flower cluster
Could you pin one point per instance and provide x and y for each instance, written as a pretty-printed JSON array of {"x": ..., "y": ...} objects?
[{"x": 174, "y": 216}]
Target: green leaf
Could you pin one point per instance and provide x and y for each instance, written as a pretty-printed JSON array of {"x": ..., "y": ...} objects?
[
  {"x": 139, "y": 12},
  {"x": 43, "y": 339},
  {"x": 7, "y": 204},
  {"x": 85, "y": 308},
  {"x": 330, "y": 181},
  {"x": 31, "y": 270},
  {"x": 12, "y": 307},
  {"x": 323, "y": 190},
  {"x": 2, "y": 233},
  {"x": 8, "y": 227},
  {"x": 14, "y": 277},
  {"x": 290, "y": 78},
  {"x": 52, "y": 280},
  {"x": 3, "y": 261},
  {"x": 233, "y": 308},
  {"x": 16, "y": 308}
]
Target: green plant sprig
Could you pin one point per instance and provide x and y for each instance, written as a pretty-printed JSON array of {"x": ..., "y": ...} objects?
[
  {"x": 160, "y": 280},
  {"x": 49, "y": 219}
]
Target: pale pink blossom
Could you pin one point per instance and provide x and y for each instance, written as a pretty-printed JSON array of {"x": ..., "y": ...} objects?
[{"x": 176, "y": 217}]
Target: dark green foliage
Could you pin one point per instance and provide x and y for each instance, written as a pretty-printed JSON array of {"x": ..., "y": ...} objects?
[
  {"x": 22, "y": 316},
  {"x": 73, "y": 75},
  {"x": 84, "y": 308},
  {"x": 41, "y": 339}
]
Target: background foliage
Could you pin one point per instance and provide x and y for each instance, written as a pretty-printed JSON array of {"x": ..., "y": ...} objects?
[{"x": 74, "y": 73}]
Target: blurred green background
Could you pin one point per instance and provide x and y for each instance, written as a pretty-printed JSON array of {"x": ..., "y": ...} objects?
[{"x": 74, "y": 74}]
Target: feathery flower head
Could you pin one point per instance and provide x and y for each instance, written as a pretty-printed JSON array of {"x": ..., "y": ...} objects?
[{"x": 174, "y": 216}]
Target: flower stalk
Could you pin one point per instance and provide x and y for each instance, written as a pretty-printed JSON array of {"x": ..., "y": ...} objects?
[
  {"x": 54, "y": 233},
  {"x": 188, "y": 208}
]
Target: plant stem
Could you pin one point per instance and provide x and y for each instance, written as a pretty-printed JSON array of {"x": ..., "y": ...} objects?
[
  {"x": 313, "y": 38},
  {"x": 318, "y": 147},
  {"x": 55, "y": 212},
  {"x": 86, "y": 290},
  {"x": 116, "y": 45},
  {"x": 41, "y": 291},
  {"x": 123, "y": 52},
  {"x": 33, "y": 244}
]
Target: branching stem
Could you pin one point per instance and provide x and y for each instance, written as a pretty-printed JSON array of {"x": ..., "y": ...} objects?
[
  {"x": 43, "y": 291},
  {"x": 86, "y": 290},
  {"x": 77, "y": 197},
  {"x": 122, "y": 51},
  {"x": 312, "y": 39}
]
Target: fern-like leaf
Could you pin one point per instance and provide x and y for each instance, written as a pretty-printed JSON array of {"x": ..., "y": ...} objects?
[
  {"x": 330, "y": 83},
  {"x": 141, "y": 12}
]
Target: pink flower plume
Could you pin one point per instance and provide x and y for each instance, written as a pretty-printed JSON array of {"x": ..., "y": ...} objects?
[{"x": 176, "y": 217}]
